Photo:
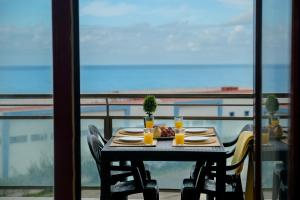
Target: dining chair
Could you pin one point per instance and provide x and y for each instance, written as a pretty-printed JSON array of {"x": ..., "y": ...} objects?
[
  {"x": 120, "y": 186},
  {"x": 191, "y": 188},
  {"x": 204, "y": 180},
  {"x": 283, "y": 191},
  {"x": 279, "y": 181},
  {"x": 144, "y": 168},
  {"x": 247, "y": 127},
  {"x": 95, "y": 131}
]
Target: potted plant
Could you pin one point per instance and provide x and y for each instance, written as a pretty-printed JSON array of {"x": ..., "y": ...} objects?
[
  {"x": 149, "y": 107},
  {"x": 272, "y": 106}
]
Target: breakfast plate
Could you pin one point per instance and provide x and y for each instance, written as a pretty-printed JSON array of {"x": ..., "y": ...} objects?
[
  {"x": 131, "y": 139},
  {"x": 196, "y": 139},
  {"x": 196, "y": 130},
  {"x": 134, "y": 130}
]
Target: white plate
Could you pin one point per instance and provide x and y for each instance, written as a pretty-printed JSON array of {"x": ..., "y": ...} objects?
[
  {"x": 133, "y": 130},
  {"x": 195, "y": 139},
  {"x": 131, "y": 139},
  {"x": 196, "y": 130}
]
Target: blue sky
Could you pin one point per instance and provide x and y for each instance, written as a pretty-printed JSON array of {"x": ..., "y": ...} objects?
[{"x": 138, "y": 31}]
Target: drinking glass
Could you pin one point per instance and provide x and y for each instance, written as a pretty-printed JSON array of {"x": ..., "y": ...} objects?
[
  {"x": 149, "y": 121},
  {"x": 275, "y": 121},
  {"x": 265, "y": 136},
  {"x": 148, "y": 136},
  {"x": 179, "y": 136},
  {"x": 178, "y": 122}
]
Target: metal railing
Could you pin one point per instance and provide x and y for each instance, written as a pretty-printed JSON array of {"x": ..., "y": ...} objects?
[{"x": 44, "y": 101}]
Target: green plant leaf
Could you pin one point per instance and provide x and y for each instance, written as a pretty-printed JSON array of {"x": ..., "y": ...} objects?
[
  {"x": 149, "y": 104},
  {"x": 272, "y": 104}
]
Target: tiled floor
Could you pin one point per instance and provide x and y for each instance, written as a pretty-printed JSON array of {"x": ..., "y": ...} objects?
[{"x": 95, "y": 194}]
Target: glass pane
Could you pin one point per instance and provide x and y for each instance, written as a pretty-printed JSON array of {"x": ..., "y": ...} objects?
[
  {"x": 27, "y": 153},
  {"x": 276, "y": 44},
  {"x": 171, "y": 45},
  {"x": 166, "y": 47},
  {"x": 26, "y": 125},
  {"x": 26, "y": 46}
]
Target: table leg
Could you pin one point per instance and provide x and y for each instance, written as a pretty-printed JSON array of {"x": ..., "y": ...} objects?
[
  {"x": 220, "y": 178},
  {"x": 105, "y": 179}
]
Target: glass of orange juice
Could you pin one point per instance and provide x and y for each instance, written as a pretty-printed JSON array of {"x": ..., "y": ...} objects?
[
  {"x": 178, "y": 122},
  {"x": 179, "y": 136},
  {"x": 148, "y": 136},
  {"x": 265, "y": 136},
  {"x": 149, "y": 122}
]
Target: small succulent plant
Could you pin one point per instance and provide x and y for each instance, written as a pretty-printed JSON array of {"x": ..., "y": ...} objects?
[
  {"x": 149, "y": 105},
  {"x": 272, "y": 105}
]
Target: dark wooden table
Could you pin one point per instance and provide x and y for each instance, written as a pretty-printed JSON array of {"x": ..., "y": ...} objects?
[
  {"x": 162, "y": 152},
  {"x": 276, "y": 150}
]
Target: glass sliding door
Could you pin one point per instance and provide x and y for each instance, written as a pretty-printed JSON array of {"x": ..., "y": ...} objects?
[{"x": 276, "y": 65}]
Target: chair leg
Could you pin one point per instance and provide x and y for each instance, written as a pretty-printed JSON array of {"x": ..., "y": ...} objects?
[
  {"x": 209, "y": 197},
  {"x": 240, "y": 193},
  {"x": 151, "y": 195},
  {"x": 188, "y": 195},
  {"x": 283, "y": 195},
  {"x": 275, "y": 188},
  {"x": 121, "y": 198}
]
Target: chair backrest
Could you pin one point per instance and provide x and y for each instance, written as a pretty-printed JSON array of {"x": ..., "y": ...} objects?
[
  {"x": 95, "y": 131},
  {"x": 95, "y": 147},
  {"x": 247, "y": 127},
  {"x": 243, "y": 144}
]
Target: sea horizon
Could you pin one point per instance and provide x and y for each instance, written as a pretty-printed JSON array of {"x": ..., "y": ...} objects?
[{"x": 110, "y": 78}]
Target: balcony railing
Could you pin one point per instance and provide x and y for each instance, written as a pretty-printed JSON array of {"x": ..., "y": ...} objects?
[{"x": 114, "y": 110}]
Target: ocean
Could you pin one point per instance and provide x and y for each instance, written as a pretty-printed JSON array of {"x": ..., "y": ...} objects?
[{"x": 108, "y": 78}]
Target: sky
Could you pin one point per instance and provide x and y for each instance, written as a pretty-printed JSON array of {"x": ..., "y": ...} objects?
[{"x": 144, "y": 32}]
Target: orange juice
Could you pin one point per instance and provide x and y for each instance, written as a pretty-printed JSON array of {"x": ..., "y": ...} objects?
[
  {"x": 265, "y": 137},
  {"x": 274, "y": 122},
  {"x": 149, "y": 124},
  {"x": 148, "y": 138},
  {"x": 179, "y": 138},
  {"x": 178, "y": 124}
]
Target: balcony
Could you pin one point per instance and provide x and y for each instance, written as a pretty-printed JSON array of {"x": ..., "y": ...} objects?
[{"x": 26, "y": 121}]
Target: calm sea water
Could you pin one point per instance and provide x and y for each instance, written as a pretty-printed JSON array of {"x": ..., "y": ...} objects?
[{"x": 106, "y": 78}]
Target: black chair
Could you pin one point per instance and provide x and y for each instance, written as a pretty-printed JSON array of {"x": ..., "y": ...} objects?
[
  {"x": 120, "y": 187},
  {"x": 144, "y": 169},
  {"x": 247, "y": 127},
  {"x": 204, "y": 180},
  {"x": 283, "y": 191},
  {"x": 279, "y": 188},
  {"x": 191, "y": 188},
  {"x": 95, "y": 131}
]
